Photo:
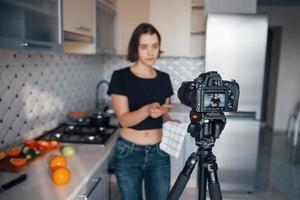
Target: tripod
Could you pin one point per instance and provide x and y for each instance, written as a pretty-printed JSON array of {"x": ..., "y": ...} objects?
[{"x": 205, "y": 128}]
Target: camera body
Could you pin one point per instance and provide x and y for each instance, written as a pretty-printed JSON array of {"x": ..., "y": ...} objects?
[{"x": 209, "y": 93}]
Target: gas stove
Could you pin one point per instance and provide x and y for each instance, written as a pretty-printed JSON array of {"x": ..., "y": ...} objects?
[{"x": 80, "y": 133}]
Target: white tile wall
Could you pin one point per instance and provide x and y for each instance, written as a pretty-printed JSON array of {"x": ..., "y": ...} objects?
[{"x": 38, "y": 88}]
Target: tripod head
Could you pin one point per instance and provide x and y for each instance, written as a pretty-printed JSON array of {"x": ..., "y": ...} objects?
[{"x": 206, "y": 127}]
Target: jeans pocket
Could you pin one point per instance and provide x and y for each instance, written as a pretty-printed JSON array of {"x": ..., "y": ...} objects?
[
  {"x": 162, "y": 153},
  {"x": 122, "y": 151}
]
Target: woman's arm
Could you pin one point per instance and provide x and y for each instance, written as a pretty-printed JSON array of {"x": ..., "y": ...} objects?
[{"x": 127, "y": 118}]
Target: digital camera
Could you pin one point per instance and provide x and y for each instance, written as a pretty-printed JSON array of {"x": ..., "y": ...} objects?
[{"x": 209, "y": 93}]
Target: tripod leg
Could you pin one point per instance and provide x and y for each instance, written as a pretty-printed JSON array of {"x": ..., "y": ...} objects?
[
  {"x": 183, "y": 177},
  {"x": 202, "y": 178},
  {"x": 212, "y": 176}
]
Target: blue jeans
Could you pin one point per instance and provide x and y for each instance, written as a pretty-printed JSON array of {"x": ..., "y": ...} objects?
[{"x": 135, "y": 163}]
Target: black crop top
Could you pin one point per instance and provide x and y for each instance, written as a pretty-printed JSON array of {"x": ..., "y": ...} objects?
[{"x": 140, "y": 92}]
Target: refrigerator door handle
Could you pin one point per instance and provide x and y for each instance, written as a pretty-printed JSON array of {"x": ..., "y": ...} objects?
[{"x": 241, "y": 115}]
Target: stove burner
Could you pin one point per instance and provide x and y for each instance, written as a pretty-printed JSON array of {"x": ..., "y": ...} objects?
[
  {"x": 57, "y": 135},
  {"x": 74, "y": 133},
  {"x": 101, "y": 128},
  {"x": 91, "y": 137}
]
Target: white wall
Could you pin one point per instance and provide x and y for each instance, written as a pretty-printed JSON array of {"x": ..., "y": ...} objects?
[
  {"x": 230, "y": 6},
  {"x": 288, "y": 85}
]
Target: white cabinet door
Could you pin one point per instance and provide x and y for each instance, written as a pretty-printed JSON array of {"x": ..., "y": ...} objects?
[
  {"x": 79, "y": 16},
  {"x": 172, "y": 18}
]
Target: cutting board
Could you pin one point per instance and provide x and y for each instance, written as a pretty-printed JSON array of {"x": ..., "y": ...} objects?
[{"x": 7, "y": 167}]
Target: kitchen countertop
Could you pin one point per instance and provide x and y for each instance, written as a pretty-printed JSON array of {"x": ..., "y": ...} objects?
[
  {"x": 88, "y": 159},
  {"x": 39, "y": 186}
]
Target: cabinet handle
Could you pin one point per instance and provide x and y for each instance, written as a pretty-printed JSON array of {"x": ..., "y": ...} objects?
[
  {"x": 88, "y": 194},
  {"x": 28, "y": 45},
  {"x": 83, "y": 28}
]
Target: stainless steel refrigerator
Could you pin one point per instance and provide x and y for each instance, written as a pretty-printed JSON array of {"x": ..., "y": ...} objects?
[{"x": 236, "y": 48}]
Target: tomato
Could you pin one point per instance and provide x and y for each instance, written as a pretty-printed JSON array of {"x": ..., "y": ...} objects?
[
  {"x": 41, "y": 148},
  {"x": 53, "y": 144},
  {"x": 18, "y": 162},
  {"x": 43, "y": 145},
  {"x": 30, "y": 143},
  {"x": 14, "y": 151}
]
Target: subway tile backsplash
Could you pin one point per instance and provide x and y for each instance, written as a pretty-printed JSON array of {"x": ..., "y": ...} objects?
[{"x": 38, "y": 88}]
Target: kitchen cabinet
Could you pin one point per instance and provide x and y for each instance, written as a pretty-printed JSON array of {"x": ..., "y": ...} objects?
[
  {"x": 176, "y": 20},
  {"x": 231, "y": 6},
  {"x": 81, "y": 22},
  {"x": 79, "y": 26},
  {"x": 98, "y": 185},
  {"x": 89, "y": 26},
  {"x": 105, "y": 17},
  {"x": 111, "y": 4},
  {"x": 198, "y": 29},
  {"x": 31, "y": 24},
  {"x": 129, "y": 15},
  {"x": 172, "y": 19}
]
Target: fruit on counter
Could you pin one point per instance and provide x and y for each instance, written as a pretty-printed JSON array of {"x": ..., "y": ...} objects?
[
  {"x": 14, "y": 151},
  {"x": 61, "y": 176},
  {"x": 18, "y": 162},
  {"x": 57, "y": 162},
  {"x": 68, "y": 150},
  {"x": 53, "y": 144},
  {"x": 43, "y": 145},
  {"x": 2, "y": 155},
  {"x": 30, "y": 143}
]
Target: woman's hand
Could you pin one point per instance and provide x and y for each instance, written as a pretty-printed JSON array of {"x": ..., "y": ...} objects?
[{"x": 156, "y": 110}]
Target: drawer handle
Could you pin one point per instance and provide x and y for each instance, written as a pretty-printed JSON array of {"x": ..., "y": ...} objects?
[
  {"x": 91, "y": 189},
  {"x": 28, "y": 45},
  {"x": 83, "y": 28}
]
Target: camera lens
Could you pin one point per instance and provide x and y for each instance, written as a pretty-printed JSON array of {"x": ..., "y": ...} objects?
[{"x": 185, "y": 93}]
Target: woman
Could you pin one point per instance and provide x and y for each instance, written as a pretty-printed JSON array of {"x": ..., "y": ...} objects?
[{"x": 141, "y": 96}]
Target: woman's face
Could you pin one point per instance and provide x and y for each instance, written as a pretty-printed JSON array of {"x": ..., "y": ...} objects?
[{"x": 148, "y": 49}]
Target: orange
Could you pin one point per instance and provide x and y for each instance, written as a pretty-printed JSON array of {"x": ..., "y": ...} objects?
[
  {"x": 18, "y": 162},
  {"x": 57, "y": 161},
  {"x": 61, "y": 176}
]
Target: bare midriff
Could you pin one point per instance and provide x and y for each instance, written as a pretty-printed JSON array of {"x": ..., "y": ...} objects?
[{"x": 142, "y": 137}]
